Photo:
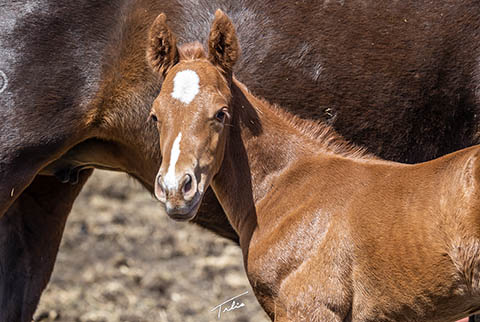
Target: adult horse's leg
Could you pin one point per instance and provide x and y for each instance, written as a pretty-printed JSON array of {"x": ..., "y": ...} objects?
[{"x": 30, "y": 234}]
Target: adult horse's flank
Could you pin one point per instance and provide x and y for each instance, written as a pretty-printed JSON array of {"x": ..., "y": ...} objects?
[
  {"x": 328, "y": 232},
  {"x": 400, "y": 77}
]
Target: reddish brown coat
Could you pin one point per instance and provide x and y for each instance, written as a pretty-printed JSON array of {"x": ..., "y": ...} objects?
[{"x": 328, "y": 232}]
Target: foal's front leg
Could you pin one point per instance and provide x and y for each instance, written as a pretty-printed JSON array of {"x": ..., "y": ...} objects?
[
  {"x": 317, "y": 291},
  {"x": 30, "y": 234},
  {"x": 322, "y": 314},
  {"x": 301, "y": 306}
]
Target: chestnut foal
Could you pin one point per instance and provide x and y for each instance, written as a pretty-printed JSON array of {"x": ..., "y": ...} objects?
[{"x": 328, "y": 233}]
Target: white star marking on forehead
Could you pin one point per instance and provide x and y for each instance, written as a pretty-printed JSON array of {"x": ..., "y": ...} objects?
[{"x": 186, "y": 86}]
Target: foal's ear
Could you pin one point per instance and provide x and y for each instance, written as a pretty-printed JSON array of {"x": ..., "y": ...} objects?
[
  {"x": 162, "y": 52},
  {"x": 223, "y": 48}
]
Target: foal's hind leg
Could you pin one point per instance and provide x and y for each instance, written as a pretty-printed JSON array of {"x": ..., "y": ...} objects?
[{"x": 30, "y": 234}]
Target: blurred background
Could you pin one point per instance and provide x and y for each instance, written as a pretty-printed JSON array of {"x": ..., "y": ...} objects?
[{"x": 121, "y": 261}]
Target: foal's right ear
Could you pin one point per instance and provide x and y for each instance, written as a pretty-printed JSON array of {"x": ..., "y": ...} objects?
[{"x": 162, "y": 52}]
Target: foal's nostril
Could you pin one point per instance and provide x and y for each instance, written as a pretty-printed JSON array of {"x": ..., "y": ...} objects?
[
  {"x": 187, "y": 184},
  {"x": 160, "y": 188}
]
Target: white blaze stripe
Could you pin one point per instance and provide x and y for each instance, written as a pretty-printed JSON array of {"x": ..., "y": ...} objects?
[
  {"x": 170, "y": 179},
  {"x": 186, "y": 86}
]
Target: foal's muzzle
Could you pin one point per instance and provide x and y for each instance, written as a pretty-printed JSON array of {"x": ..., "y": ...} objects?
[{"x": 181, "y": 198}]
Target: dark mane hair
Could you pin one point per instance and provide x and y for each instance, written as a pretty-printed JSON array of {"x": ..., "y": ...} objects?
[{"x": 192, "y": 51}]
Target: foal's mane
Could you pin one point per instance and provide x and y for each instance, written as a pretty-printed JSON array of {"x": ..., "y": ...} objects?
[
  {"x": 322, "y": 133},
  {"x": 319, "y": 132}
]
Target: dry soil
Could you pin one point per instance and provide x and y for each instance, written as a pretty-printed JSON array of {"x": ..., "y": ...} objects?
[{"x": 120, "y": 260}]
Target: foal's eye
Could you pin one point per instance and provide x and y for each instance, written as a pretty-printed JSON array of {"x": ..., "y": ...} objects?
[
  {"x": 221, "y": 115},
  {"x": 154, "y": 118}
]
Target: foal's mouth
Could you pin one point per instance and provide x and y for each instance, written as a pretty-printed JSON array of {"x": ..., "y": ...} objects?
[{"x": 186, "y": 212}]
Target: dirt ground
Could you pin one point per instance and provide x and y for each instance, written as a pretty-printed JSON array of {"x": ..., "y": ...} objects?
[{"x": 121, "y": 261}]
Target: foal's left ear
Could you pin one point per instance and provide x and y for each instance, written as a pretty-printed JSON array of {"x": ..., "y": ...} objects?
[
  {"x": 162, "y": 52},
  {"x": 223, "y": 48}
]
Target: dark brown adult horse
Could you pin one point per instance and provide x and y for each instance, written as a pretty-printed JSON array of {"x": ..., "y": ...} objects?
[
  {"x": 328, "y": 233},
  {"x": 75, "y": 90}
]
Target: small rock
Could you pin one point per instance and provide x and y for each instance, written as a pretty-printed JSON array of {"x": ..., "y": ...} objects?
[{"x": 51, "y": 315}]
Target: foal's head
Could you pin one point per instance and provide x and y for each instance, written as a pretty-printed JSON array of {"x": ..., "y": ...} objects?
[{"x": 192, "y": 111}]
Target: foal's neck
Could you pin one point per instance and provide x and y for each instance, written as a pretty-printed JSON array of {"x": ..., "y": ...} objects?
[{"x": 263, "y": 143}]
